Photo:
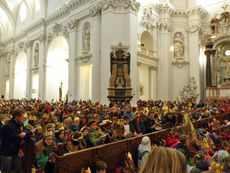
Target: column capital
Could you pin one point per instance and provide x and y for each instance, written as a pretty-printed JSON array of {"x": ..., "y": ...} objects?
[
  {"x": 210, "y": 52},
  {"x": 116, "y": 5}
]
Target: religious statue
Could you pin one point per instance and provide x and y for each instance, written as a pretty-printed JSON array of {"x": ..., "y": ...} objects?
[
  {"x": 120, "y": 81},
  {"x": 36, "y": 55},
  {"x": 141, "y": 89},
  {"x": 60, "y": 92},
  {"x": 178, "y": 50},
  {"x": 86, "y": 38},
  {"x": 178, "y": 45}
]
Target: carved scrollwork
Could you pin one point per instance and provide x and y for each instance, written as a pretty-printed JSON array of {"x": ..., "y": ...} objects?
[
  {"x": 116, "y": 5},
  {"x": 72, "y": 24},
  {"x": 147, "y": 20}
]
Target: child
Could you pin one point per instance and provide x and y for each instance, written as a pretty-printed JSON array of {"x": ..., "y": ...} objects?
[{"x": 101, "y": 167}]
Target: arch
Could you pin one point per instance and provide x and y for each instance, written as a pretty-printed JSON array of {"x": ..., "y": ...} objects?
[
  {"x": 220, "y": 39},
  {"x": 20, "y": 74},
  {"x": 57, "y": 68},
  {"x": 147, "y": 41}
]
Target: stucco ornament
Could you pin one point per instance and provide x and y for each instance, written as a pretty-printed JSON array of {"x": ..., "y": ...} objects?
[
  {"x": 86, "y": 38},
  {"x": 179, "y": 49},
  {"x": 189, "y": 91}
]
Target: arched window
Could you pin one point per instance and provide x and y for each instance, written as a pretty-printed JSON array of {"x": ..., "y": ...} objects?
[
  {"x": 23, "y": 12},
  {"x": 37, "y": 5}
]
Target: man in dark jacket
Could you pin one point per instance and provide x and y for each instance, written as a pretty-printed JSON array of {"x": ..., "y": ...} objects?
[
  {"x": 12, "y": 136},
  {"x": 149, "y": 123}
]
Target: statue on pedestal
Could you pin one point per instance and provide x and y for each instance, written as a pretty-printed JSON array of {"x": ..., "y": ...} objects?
[
  {"x": 60, "y": 92},
  {"x": 86, "y": 38}
]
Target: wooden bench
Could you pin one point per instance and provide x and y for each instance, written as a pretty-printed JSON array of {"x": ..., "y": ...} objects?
[{"x": 113, "y": 153}]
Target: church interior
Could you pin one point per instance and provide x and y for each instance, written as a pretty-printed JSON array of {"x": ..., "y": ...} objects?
[{"x": 124, "y": 86}]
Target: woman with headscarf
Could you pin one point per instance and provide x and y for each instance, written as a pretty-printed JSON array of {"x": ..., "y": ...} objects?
[{"x": 143, "y": 150}]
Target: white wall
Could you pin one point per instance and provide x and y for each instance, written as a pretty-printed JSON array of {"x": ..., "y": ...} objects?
[
  {"x": 85, "y": 82},
  {"x": 145, "y": 81}
]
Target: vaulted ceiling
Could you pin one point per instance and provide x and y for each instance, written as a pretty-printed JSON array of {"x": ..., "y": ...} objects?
[{"x": 12, "y": 10}]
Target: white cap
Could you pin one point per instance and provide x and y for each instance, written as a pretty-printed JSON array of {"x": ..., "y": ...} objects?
[{"x": 145, "y": 140}]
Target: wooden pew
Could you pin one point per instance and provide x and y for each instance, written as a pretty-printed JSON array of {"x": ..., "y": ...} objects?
[{"x": 113, "y": 153}]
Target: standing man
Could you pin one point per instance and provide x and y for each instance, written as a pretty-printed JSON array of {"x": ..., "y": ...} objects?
[{"x": 12, "y": 136}]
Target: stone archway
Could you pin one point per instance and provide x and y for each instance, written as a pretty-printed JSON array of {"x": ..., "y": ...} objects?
[
  {"x": 20, "y": 75},
  {"x": 57, "y": 69}
]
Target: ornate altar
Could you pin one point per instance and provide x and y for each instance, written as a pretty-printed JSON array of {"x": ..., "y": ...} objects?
[
  {"x": 217, "y": 44},
  {"x": 120, "y": 82}
]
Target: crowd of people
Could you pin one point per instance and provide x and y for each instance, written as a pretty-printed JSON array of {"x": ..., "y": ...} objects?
[{"x": 83, "y": 124}]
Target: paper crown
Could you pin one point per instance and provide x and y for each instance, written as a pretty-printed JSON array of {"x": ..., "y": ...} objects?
[
  {"x": 204, "y": 145},
  {"x": 76, "y": 119},
  {"x": 104, "y": 122},
  {"x": 48, "y": 134},
  {"x": 45, "y": 116},
  {"x": 38, "y": 127},
  {"x": 216, "y": 167},
  {"x": 86, "y": 171},
  {"x": 32, "y": 118},
  {"x": 60, "y": 125}
]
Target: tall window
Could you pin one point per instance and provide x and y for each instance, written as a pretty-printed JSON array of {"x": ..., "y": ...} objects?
[
  {"x": 37, "y": 5},
  {"x": 23, "y": 12}
]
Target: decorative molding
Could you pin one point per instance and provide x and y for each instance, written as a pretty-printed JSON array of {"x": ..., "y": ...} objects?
[
  {"x": 147, "y": 20},
  {"x": 118, "y": 5},
  {"x": 165, "y": 8},
  {"x": 36, "y": 25},
  {"x": 42, "y": 38},
  {"x": 73, "y": 24},
  {"x": 65, "y": 9},
  {"x": 189, "y": 91},
  {"x": 180, "y": 62},
  {"x": 192, "y": 28},
  {"x": 197, "y": 10},
  {"x": 60, "y": 29},
  {"x": 85, "y": 58},
  {"x": 120, "y": 46}
]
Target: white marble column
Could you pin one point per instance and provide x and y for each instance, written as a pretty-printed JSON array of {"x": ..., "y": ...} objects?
[
  {"x": 72, "y": 60},
  {"x": 42, "y": 68},
  {"x": 118, "y": 25},
  {"x": 165, "y": 75},
  {"x": 96, "y": 57},
  {"x": 29, "y": 73}
]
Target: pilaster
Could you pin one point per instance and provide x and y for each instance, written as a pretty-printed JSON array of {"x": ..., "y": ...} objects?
[
  {"x": 96, "y": 57},
  {"x": 164, "y": 54},
  {"x": 11, "y": 58},
  {"x": 194, "y": 26},
  {"x": 29, "y": 74},
  {"x": 72, "y": 60},
  {"x": 118, "y": 25},
  {"x": 41, "y": 67}
]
